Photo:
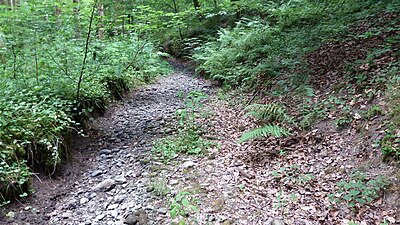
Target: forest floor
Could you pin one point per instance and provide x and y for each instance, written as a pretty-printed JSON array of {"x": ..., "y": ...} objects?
[{"x": 114, "y": 178}]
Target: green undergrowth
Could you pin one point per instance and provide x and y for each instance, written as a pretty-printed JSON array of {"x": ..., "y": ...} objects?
[
  {"x": 189, "y": 138},
  {"x": 273, "y": 119},
  {"x": 268, "y": 56},
  {"x": 390, "y": 143},
  {"x": 358, "y": 190},
  {"x": 256, "y": 51},
  {"x": 42, "y": 62},
  {"x": 182, "y": 206}
]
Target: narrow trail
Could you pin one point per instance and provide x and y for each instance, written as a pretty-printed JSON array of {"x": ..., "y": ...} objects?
[
  {"x": 113, "y": 184},
  {"x": 110, "y": 178},
  {"x": 116, "y": 184}
]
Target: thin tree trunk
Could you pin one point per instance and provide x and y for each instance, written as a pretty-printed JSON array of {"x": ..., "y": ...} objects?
[
  {"x": 176, "y": 11},
  {"x": 238, "y": 13},
  {"x": 77, "y": 19},
  {"x": 196, "y": 4},
  {"x": 14, "y": 62},
  {"x": 101, "y": 24},
  {"x": 123, "y": 26},
  {"x": 78, "y": 89},
  {"x": 36, "y": 66}
]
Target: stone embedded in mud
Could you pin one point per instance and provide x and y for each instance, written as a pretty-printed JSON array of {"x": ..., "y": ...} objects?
[
  {"x": 105, "y": 185},
  {"x": 120, "y": 179},
  {"x": 105, "y": 152},
  {"x": 162, "y": 211},
  {"x": 112, "y": 206},
  {"x": 66, "y": 215},
  {"x": 83, "y": 201},
  {"x": 174, "y": 182},
  {"x": 100, "y": 217},
  {"x": 277, "y": 222},
  {"x": 150, "y": 189},
  {"x": 188, "y": 164},
  {"x": 119, "y": 198},
  {"x": 96, "y": 173},
  {"x": 132, "y": 219}
]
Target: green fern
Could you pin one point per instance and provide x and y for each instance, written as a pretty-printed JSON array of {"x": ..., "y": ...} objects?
[
  {"x": 264, "y": 131},
  {"x": 269, "y": 113}
]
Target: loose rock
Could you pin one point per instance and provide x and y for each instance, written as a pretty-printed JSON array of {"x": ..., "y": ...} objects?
[{"x": 105, "y": 185}]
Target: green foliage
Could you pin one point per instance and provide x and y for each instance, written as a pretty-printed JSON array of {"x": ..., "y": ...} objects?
[
  {"x": 292, "y": 175},
  {"x": 188, "y": 140},
  {"x": 312, "y": 113},
  {"x": 42, "y": 47},
  {"x": 282, "y": 200},
  {"x": 358, "y": 190},
  {"x": 345, "y": 118},
  {"x": 182, "y": 205},
  {"x": 267, "y": 114},
  {"x": 265, "y": 131},
  {"x": 375, "y": 110},
  {"x": 258, "y": 50},
  {"x": 188, "y": 143},
  {"x": 160, "y": 187},
  {"x": 390, "y": 143},
  {"x": 14, "y": 177}
]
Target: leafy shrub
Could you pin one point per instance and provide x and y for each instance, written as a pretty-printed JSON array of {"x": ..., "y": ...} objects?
[
  {"x": 390, "y": 142},
  {"x": 160, "y": 187},
  {"x": 14, "y": 177},
  {"x": 292, "y": 175},
  {"x": 182, "y": 205},
  {"x": 358, "y": 190},
  {"x": 41, "y": 63},
  {"x": 256, "y": 51}
]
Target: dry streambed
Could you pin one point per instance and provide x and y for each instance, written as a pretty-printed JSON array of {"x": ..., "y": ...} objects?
[{"x": 260, "y": 182}]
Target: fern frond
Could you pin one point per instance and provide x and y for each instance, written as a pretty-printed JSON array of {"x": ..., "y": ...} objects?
[
  {"x": 269, "y": 112},
  {"x": 305, "y": 91},
  {"x": 265, "y": 131}
]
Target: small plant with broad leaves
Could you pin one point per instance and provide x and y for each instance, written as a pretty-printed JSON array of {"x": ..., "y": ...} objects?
[
  {"x": 282, "y": 200},
  {"x": 292, "y": 175},
  {"x": 345, "y": 118},
  {"x": 182, "y": 206},
  {"x": 160, "y": 187},
  {"x": 14, "y": 178},
  {"x": 358, "y": 190},
  {"x": 390, "y": 143}
]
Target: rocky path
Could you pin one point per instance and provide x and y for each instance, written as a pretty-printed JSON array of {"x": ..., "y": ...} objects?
[
  {"x": 116, "y": 185},
  {"x": 115, "y": 189},
  {"x": 115, "y": 179}
]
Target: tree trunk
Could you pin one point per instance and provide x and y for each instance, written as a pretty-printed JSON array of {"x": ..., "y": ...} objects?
[
  {"x": 12, "y": 4},
  {"x": 196, "y": 4},
  {"x": 238, "y": 14},
  {"x": 101, "y": 24},
  {"x": 176, "y": 11},
  {"x": 77, "y": 18}
]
